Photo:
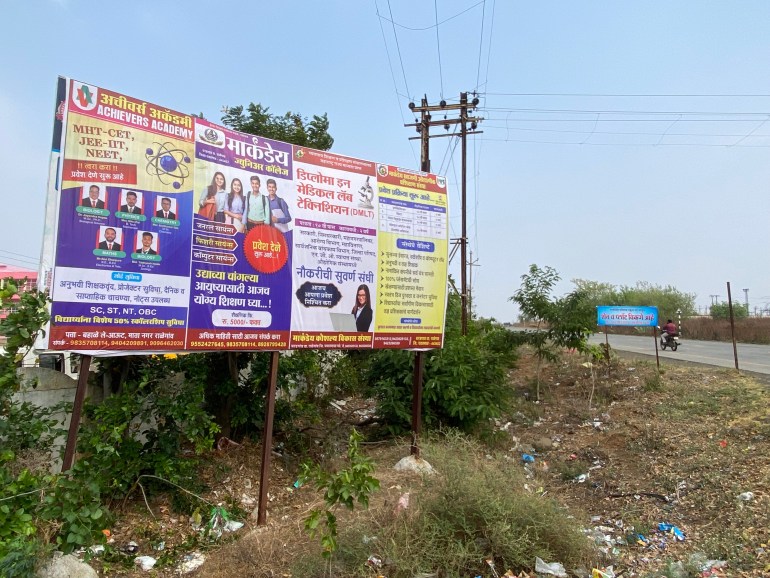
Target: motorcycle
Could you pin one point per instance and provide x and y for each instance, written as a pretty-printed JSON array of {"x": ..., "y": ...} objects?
[{"x": 671, "y": 341}]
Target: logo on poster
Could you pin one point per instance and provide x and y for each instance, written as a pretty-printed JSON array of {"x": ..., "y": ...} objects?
[
  {"x": 210, "y": 136},
  {"x": 85, "y": 96}
]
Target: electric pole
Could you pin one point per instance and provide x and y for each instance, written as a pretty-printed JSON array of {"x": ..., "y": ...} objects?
[
  {"x": 423, "y": 127},
  {"x": 746, "y": 294}
]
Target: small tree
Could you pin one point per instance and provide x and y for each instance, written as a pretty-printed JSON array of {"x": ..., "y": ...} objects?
[
  {"x": 563, "y": 322},
  {"x": 342, "y": 488}
]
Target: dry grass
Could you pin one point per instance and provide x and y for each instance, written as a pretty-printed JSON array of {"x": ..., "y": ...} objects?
[
  {"x": 751, "y": 330},
  {"x": 697, "y": 437}
]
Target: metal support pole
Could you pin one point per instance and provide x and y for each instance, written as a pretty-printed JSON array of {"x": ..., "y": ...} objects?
[
  {"x": 655, "y": 339},
  {"x": 464, "y": 237},
  {"x": 419, "y": 364},
  {"x": 267, "y": 440},
  {"x": 77, "y": 409},
  {"x": 419, "y": 356},
  {"x": 732, "y": 324}
]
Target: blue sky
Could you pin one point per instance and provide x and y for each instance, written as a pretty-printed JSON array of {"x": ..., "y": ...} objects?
[{"x": 622, "y": 141}]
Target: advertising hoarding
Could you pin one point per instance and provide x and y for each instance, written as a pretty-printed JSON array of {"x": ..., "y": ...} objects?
[
  {"x": 172, "y": 233},
  {"x": 628, "y": 316}
]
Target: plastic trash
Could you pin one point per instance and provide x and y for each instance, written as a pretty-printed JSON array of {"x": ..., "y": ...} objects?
[
  {"x": 491, "y": 563},
  {"x": 232, "y": 526},
  {"x": 746, "y": 496},
  {"x": 374, "y": 561},
  {"x": 145, "y": 562},
  {"x": 191, "y": 562},
  {"x": 607, "y": 572},
  {"x": 554, "y": 568},
  {"x": 527, "y": 458},
  {"x": 403, "y": 503},
  {"x": 670, "y": 529}
]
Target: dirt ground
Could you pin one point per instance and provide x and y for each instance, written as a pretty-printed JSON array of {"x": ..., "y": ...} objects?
[{"x": 624, "y": 453}]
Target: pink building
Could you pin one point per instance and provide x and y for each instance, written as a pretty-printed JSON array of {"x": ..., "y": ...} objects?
[{"x": 18, "y": 274}]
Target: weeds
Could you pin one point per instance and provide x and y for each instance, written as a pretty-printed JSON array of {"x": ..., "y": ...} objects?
[{"x": 474, "y": 509}]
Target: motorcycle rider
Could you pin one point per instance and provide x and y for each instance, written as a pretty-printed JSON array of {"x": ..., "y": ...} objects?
[{"x": 669, "y": 331}]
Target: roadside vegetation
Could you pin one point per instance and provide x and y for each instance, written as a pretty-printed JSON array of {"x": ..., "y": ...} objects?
[{"x": 566, "y": 456}]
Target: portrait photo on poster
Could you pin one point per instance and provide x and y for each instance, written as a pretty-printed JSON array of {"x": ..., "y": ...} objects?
[
  {"x": 166, "y": 208},
  {"x": 94, "y": 198},
  {"x": 147, "y": 243},
  {"x": 362, "y": 310},
  {"x": 111, "y": 238}
]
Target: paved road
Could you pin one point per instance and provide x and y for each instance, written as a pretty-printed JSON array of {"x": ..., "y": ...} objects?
[{"x": 754, "y": 358}]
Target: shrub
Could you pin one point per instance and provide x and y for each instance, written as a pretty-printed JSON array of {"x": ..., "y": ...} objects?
[
  {"x": 465, "y": 383},
  {"x": 472, "y": 510},
  {"x": 144, "y": 429}
]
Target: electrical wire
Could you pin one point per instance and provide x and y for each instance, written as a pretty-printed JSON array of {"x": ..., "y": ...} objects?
[
  {"x": 620, "y": 95},
  {"x": 755, "y": 129},
  {"x": 438, "y": 49},
  {"x": 624, "y": 112},
  {"x": 398, "y": 48},
  {"x": 619, "y": 133},
  {"x": 508, "y": 119},
  {"x": 32, "y": 265},
  {"x": 481, "y": 42},
  {"x": 432, "y": 25},
  {"x": 393, "y": 77},
  {"x": 623, "y": 144},
  {"x": 489, "y": 49},
  {"x": 33, "y": 259}
]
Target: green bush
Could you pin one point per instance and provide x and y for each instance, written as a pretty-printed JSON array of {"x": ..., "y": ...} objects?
[
  {"x": 145, "y": 428},
  {"x": 75, "y": 505},
  {"x": 465, "y": 383},
  {"x": 722, "y": 310},
  {"x": 26, "y": 426}
]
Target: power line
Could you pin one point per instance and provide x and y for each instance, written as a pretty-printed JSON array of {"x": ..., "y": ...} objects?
[
  {"x": 622, "y": 133},
  {"x": 394, "y": 23},
  {"x": 481, "y": 42},
  {"x": 623, "y": 112},
  {"x": 438, "y": 49},
  {"x": 619, "y": 95},
  {"x": 393, "y": 75},
  {"x": 398, "y": 48},
  {"x": 34, "y": 259},
  {"x": 15, "y": 261},
  {"x": 489, "y": 49},
  {"x": 624, "y": 144},
  {"x": 755, "y": 129},
  {"x": 508, "y": 119}
]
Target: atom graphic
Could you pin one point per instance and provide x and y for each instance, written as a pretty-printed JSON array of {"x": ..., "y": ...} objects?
[{"x": 168, "y": 164}]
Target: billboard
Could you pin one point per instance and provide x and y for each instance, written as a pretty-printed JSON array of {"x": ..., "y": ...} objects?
[
  {"x": 172, "y": 233},
  {"x": 628, "y": 316}
]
